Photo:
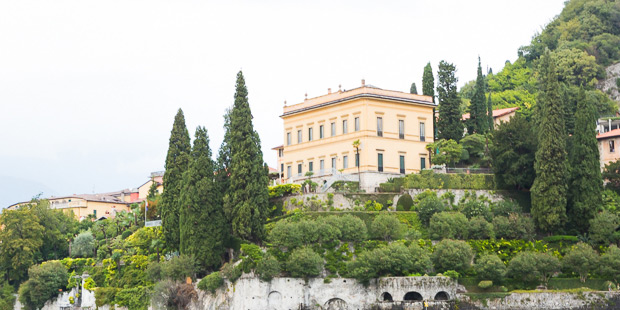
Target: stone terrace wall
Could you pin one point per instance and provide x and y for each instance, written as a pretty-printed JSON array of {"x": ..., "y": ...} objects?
[{"x": 540, "y": 301}]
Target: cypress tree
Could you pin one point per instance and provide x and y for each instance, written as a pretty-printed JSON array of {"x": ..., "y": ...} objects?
[
  {"x": 491, "y": 124},
  {"x": 449, "y": 123},
  {"x": 428, "y": 82},
  {"x": 177, "y": 162},
  {"x": 586, "y": 181},
  {"x": 549, "y": 189},
  {"x": 222, "y": 175},
  {"x": 247, "y": 197},
  {"x": 478, "y": 120},
  {"x": 202, "y": 222},
  {"x": 414, "y": 89}
]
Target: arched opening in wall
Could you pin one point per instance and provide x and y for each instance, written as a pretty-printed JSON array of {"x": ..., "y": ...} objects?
[
  {"x": 442, "y": 296},
  {"x": 336, "y": 304},
  {"x": 413, "y": 296},
  {"x": 386, "y": 297},
  {"x": 274, "y": 299}
]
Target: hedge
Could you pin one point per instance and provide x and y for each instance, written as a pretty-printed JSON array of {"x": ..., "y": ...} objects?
[
  {"x": 430, "y": 180},
  {"x": 284, "y": 190}
]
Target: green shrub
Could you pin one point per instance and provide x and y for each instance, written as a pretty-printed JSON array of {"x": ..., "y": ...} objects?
[
  {"x": 43, "y": 283},
  {"x": 405, "y": 202},
  {"x": 211, "y": 282},
  {"x": 304, "y": 263},
  {"x": 610, "y": 263},
  {"x": 345, "y": 186},
  {"x": 135, "y": 298},
  {"x": 7, "y": 299},
  {"x": 485, "y": 284},
  {"x": 431, "y": 180},
  {"x": 530, "y": 267},
  {"x": 448, "y": 225},
  {"x": 490, "y": 267},
  {"x": 452, "y": 274},
  {"x": 581, "y": 259},
  {"x": 179, "y": 268},
  {"x": 386, "y": 227},
  {"x": 105, "y": 296},
  {"x": 603, "y": 228},
  {"x": 268, "y": 268},
  {"x": 505, "y": 208},
  {"x": 479, "y": 228},
  {"x": 452, "y": 255},
  {"x": 172, "y": 295},
  {"x": 284, "y": 190},
  {"x": 561, "y": 238},
  {"x": 352, "y": 228},
  {"x": 515, "y": 226},
  {"x": 83, "y": 245},
  {"x": 429, "y": 206}
]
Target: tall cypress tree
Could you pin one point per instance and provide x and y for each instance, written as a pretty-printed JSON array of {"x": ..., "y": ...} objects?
[
  {"x": 177, "y": 162},
  {"x": 549, "y": 189},
  {"x": 586, "y": 183},
  {"x": 428, "y": 82},
  {"x": 222, "y": 175},
  {"x": 247, "y": 197},
  {"x": 491, "y": 124},
  {"x": 414, "y": 89},
  {"x": 202, "y": 222},
  {"x": 478, "y": 120},
  {"x": 449, "y": 123}
]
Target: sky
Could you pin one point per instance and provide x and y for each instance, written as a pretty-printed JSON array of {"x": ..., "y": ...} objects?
[{"x": 89, "y": 89}]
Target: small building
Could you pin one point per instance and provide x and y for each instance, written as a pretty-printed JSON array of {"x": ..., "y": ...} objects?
[
  {"x": 499, "y": 115},
  {"x": 99, "y": 205},
  {"x": 607, "y": 146},
  {"x": 156, "y": 177},
  {"x": 392, "y": 127}
]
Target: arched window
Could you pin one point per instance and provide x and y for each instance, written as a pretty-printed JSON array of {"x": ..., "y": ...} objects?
[
  {"x": 413, "y": 296},
  {"x": 386, "y": 297},
  {"x": 442, "y": 296}
]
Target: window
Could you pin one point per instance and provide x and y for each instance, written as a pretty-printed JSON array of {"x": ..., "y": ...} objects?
[
  {"x": 95, "y": 213},
  {"x": 357, "y": 124},
  {"x": 379, "y": 126},
  {"x": 298, "y": 169},
  {"x": 345, "y": 126},
  {"x": 380, "y": 162},
  {"x": 402, "y": 164},
  {"x": 282, "y": 168},
  {"x": 357, "y": 160},
  {"x": 345, "y": 162},
  {"x": 322, "y": 165},
  {"x": 401, "y": 129},
  {"x": 280, "y": 152},
  {"x": 422, "y": 132},
  {"x": 288, "y": 138},
  {"x": 333, "y": 129},
  {"x": 310, "y": 135},
  {"x": 333, "y": 162},
  {"x": 321, "y": 132},
  {"x": 422, "y": 163},
  {"x": 311, "y": 166},
  {"x": 289, "y": 171},
  {"x": 299, "y": 136},
  {"x": 612, "y": 147}
]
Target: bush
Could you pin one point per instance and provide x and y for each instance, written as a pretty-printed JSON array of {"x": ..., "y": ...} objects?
[
  {"x": 448, "y": 225},
  {"x": 610, "y": 263},
  {"x": 211, "y": 282},
  {"x": 179, "y": 268},
  {"x": 429, "y": 206},
  {"x": 581, "y": 259},
  {"x": 431, "y": 180},
  {"x": 529, "y": 267},
  {"x": 352, "y": 228},
  {"x": 505, "y": 208},
  {"x": 405, "y": 202},
  {"x": 304, "y": 263},
  {"x": 515, "y": 226},
  {"x": 386, "y": 227},
  {"x": 83, "y": 245},
  {"x": 452, "y": 274},
  {"x": 284, "y": 190},
  {"x": 603, "y": 228},
  {"x": 480, "y": 229},
  {"x": 473, "y": 208},
  {"x": 485, "y": 284},
  {"x": 172, "y": 295},
  {"x": 452, "y": 255},
  {"x": 105, "y": 296},
  {"x": 135, "y": 298},
  {"x": 268, "y": 268},
  {"x": 43, "y": 283},
  {"x": 490, "y": 267},
  {"x": 7, "y": 299}
]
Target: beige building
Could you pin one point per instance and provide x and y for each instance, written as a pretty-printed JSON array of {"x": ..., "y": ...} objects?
[
  {"x": 608, "y": 144},
  {"x": 392, "y": 127},
  {"x": 499, "y": 115},
  {"x": 99, "y": 205},
  {"x": 156, "y": 177}
]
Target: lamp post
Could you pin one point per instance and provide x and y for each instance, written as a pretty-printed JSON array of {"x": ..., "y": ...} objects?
[{"x": 356, "y": 145}]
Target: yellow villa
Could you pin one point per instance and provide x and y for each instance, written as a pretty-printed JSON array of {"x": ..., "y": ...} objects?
[
  {"x": 100, "y": 205},
  {"x": 393, "y": 129}
]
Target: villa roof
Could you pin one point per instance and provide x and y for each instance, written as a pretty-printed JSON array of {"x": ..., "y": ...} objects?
[
  {"x": 609, "y": 134},
  {"x": 278, "y": 147},
  {"x": 496, "y": 113}
]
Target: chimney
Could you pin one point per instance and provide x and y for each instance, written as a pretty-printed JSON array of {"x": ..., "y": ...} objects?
[
  {"x": 363, "y": 83},
  {"x": 329, "y": 91},
  {"x": 339, "y": 88},
  {"x": 306, "y": 96}
]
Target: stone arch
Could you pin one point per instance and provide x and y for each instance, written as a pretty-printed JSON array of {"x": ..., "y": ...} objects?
[
  {"x": 442, "y": 296},
  {"x": 275, "y": 298},
  {"x": 336, "y": 304},
  {"x": 386, "y": 297},
  {"x": 413, "y": 296}
]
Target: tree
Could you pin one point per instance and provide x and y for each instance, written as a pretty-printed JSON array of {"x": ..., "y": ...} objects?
[
  {"x": 7, "y": 297},
  {"x": 478, "y": 120},
  {"x": 450, "y": 124},
  {"x": 452, "y": 255},
  {"x": 581, "y": 259},
  {"x": 547, "y": 265},
  {"x": 428, "y": 206},
  {"x": 268, "y": 267},
  {"x": 513, "y": 226},
  {"x": 611, "y": 174},
  {"x": 586, "y": 183},
  {"x": 603, "y": 228},
  {"x": 177, "y": 162},
  {"x": 43, "y": 283},
  {"x": 222, "y": 175},
  {"x": 529, "y": 267},
  {"x": 247, "y": 198},
  {"x": 550, "y": 186},
  {"x": 304, "y": 263},
  {"x": 474, "y": 149},
  {"x": 490, "y": 112},
  {"x": 445, "y": 152},
  {"x": 490, "y": 267},
  {"x": 386, "y": 227},
  {"x": 428, "y": 82},
  {"x": 21, "y": 237},
  {"x": 480, "y": 229},
  {"x": 152, "y": 191},
  {"x": 352, "y": 228},
  {"x": 448, "y": 225},
  {"x": 610, "y": 263},
  {"x": 512, "y": 153},
  {"x": 83, "y": 245},
  {"x": 414, "y": 89},
  {"x": 202, "y": 221}
]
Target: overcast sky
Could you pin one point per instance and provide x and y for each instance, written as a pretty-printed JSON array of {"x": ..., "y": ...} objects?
[{"x": 89, "y": 89}]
